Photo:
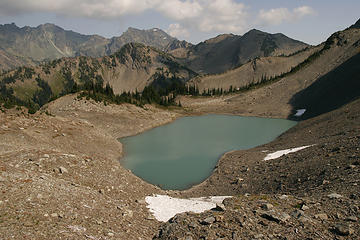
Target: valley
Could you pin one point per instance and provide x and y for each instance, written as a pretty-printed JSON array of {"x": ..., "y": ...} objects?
[{"x": 61, "y": 176}]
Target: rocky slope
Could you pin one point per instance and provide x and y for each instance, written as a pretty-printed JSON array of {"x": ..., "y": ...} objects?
[
  {"x": 309, "y": 194},
  {"x": 60, "y": 176},
  {"x": 228, "y": 51},
  {"x": 31, "y": 45},
  {"x": 132, "y": 68},
  {"x": 253, "y": 72},
  {"x": 275, "y": 99}
]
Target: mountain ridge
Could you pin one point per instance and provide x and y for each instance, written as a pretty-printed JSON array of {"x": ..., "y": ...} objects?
[
  {"x": 228, "y": 51},
  {"x": 46, "y": 42},
  {"x": 32, "y": 45}
]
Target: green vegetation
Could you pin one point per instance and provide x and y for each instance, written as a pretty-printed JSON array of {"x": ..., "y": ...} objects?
[{"x": 265, "y": 80}]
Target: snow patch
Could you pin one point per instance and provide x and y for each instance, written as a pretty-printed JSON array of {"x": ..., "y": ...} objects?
[
  {"x": 164, "y": 207},
  {"x": 280, "y": 153},
  {"x": 300, "y": 112}
]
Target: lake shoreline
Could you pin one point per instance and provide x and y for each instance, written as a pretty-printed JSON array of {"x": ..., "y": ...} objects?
[{"x": 196, "y": 144}]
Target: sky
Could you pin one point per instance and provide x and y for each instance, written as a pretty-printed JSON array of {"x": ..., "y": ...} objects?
[{"x": 311, "y": 21}]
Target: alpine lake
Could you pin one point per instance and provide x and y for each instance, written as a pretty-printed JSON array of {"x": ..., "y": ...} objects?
[{"x": 183, "y": 153}]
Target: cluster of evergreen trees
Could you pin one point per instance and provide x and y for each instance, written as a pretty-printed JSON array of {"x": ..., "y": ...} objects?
[{"x": 163, "y": 90}]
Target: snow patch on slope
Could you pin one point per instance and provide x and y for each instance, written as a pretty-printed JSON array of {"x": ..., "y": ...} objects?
[
  {"x": 300, "y": 112},
  {"x": 164, "y": 207},
  {"x": 280, "y": 153}
]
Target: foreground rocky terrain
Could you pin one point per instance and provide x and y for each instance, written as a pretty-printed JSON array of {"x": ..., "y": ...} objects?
[
  {"x": 309, "y": 194},
  {"x": 60, "y": 177}
]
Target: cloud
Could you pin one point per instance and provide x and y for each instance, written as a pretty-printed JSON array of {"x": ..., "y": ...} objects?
[
  {"x": 190, "y": 16},
  {"x": 200, "y": 15},
  {"x": 180, "y": 10},
  {"x": 279, "y": 15},
  {"x": 303, "y": 11},
  {"x": 206, "y": 16},
  {"x": 88, "y": 8},
  {"x": 178, "y": 31}
]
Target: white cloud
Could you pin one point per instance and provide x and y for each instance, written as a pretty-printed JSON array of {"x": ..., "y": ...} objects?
[
  {"x": 279, "y": 15},
  {"x": 178, "y": 31},
  {"x": 179, "y": 10},
  {"x": 205, "y": 16},
  {"x": 88, "y": 8},
  {"x": 200, "y": 15},
  {"x": 303, "y": 11},
  {"x": 190, "y": 16}
]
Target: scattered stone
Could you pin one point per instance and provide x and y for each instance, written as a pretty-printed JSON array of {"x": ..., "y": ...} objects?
[
  {"x": 28, "y": 224},
  {"x": 46, "y": 156},
  {"x": 128, "y": 213},
  {"x": 304, "y": 207},
  {"x": 343, "y": 229},
  {"x": 267, "y": 206},
  {"x": 63, "y": 170},
  {"x": 77, "y": 229},
  {"x": 141, "y": 201},
  {"x": 322, "y": 216},
  {"x": 283, "y": 197},
  {"x": 297, "y": 213},
  {"x": 220, "y": 207},
  {"x": 352, "y": 166},
  {"x": 219, "y": 218},
  {"x": 354, "y": 196},
  {"x": 239, "y": 180},
  {"x": 193, "y": 225},
  {"x": 339, "y": 215},
  {"x": 110, "y": 234},
  {"x": 325, "y": 182},
  {"x": 150, "y": 217},
  {"x": 275, "y": 216},
  {"x": 334, "y": 196},
  {"x": 208, "y": 221},
  {"x": 54, "y": 215},
  {"x": 257, "y": 236},
  {"x": 351, "y": 219}
]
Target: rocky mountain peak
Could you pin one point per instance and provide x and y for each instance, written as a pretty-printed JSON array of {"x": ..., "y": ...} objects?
[{"x": 356, "y": 25}]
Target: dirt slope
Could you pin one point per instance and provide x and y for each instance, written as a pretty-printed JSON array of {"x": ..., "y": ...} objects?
[
  {"x": 60, "y": 177},
  {"x": 274, "y": 100},
  {"x": 251, "y": 72}
]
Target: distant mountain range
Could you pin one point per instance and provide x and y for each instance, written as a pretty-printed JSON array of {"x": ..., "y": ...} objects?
[
  {"x": 222, "y": 63},
  {"x": 32, "y": 45}
]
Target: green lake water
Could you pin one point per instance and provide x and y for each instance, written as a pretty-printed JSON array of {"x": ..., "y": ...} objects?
[{"x": 185, "y": 152}]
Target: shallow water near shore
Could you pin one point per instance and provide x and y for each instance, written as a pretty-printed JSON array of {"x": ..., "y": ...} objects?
[{"x": 184, "y": 153}]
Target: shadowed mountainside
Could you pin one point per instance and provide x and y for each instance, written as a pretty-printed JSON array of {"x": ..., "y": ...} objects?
[
  {"x": 331, "y": 91},
  {"x": 228, "y": 51}
]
